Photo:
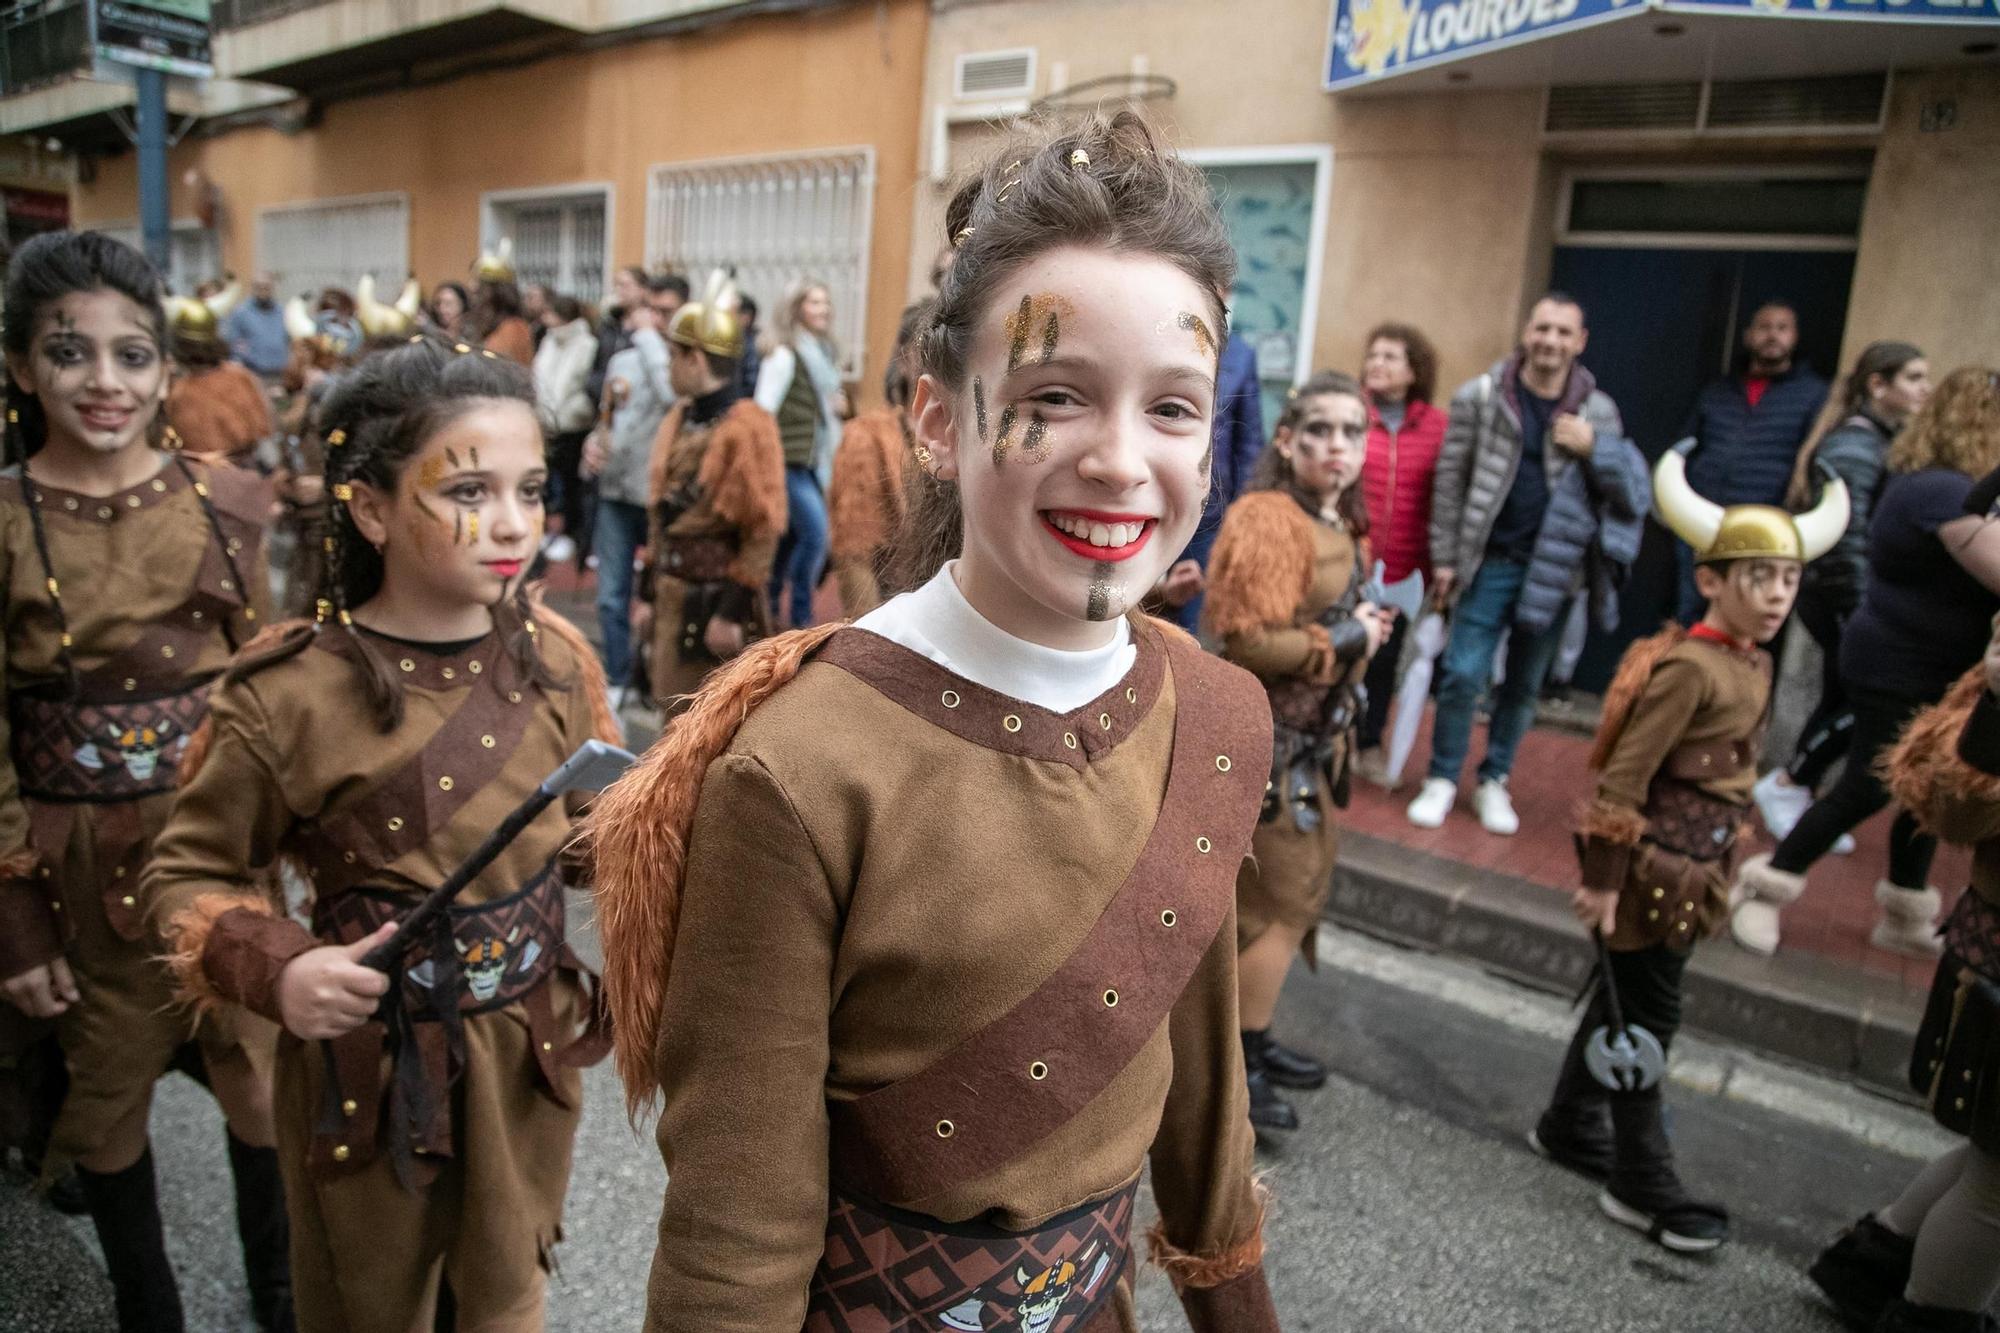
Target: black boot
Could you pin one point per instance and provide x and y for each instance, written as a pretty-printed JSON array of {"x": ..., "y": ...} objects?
[
  {"x": 125, "y": 1208},
  {"x": 1267, "y": 1109},
  {"x": 1288, "y": 1068},
  {"x": 265, "y": 1233},
  {"x": 1901, "y": 1316},
  {"x": 1575, "y": 1130},
  {"x": 1863, "y": 1271},
  {"x": 1644, "y": 1193}
]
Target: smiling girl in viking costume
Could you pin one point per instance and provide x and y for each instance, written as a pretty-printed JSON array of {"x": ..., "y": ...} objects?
[
  {"x": 427, "y": 1139},
  {"x": 1283, "y": 597},
  {"x": 129, "y": 576},
  {"x": 921, "y": 930},
  {"x": 1676, "y": 757}
]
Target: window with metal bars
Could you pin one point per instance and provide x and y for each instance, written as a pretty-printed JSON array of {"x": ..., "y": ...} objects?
[
  {"x": 332, "y": 242},
  {"x": 773, "y": 221},
  {"x": 559, "y": 240}
]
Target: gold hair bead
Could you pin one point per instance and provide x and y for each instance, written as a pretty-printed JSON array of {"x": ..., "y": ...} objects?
[
  {"x": 342, "y": 492},
  {"x": 328, "y": 544},
  {"x": 336, "y": 438},
  {"x": 963, "y": 233},
  {"x": 461, "y": 348},
  {"x": 54, "y": 589},
  {"x": 530, "y": 625},
  {"x": 13, "y": 416},
  {"x": 322, "y": 610},
  {"x": 346, "y": 618},
  {"x": 1079, "y": 158},
  {"x": 416, "y": 337}
]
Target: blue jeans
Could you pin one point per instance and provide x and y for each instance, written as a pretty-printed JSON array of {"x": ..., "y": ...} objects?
[
  {"x": 1486, "y": 611},
  {"x": 621, "y": 531},
  {"x": 802, "y": 553}
]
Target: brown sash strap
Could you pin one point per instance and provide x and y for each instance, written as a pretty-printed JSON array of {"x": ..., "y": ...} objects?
[
  {"x": 402, "y": 813},
  {"x": 1013, "y": 1083}
]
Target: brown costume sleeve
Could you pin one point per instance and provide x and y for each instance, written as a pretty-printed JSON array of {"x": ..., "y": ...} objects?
[
  {"x": 1928, "y": 774},
  {"x": 1612, "y": 824},
  {"x": 1210, "y": 1236},
  {"x": 200, "y": 894},
  {"x": 743, "y": 476},
  {"x": 742, "y": 1065},
  {"x": 28, "y": 934},
  {"x": 1258, "y": 578}
]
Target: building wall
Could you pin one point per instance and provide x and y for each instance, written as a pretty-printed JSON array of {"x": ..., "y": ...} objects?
[
  {"x": 1929, "y": 265},
  {"x": 1434, "y": 200},
  {"x": 839, "y": 77}
]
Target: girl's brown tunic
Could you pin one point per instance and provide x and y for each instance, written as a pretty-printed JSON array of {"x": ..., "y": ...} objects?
[
  {"x": 151, "y": 591},
  {"x": 407, "y": 806},
  {"x": 1275, "y": 572},
  {"x": 888, "y": 861}
]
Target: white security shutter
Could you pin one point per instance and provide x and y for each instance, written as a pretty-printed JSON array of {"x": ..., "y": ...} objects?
[
  {"x": 774, "y": 221},
  {"x": 332, "y": 242},
  {"x": 559, "y": 241}
]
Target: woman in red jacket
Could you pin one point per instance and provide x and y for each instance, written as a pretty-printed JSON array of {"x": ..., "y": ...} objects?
[{"x": 1404, "y": 435}]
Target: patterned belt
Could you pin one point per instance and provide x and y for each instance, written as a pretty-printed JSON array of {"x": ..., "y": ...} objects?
[
  {"x": 889, "y": 1270},
  {"x": 1685, "y": 819},
  {"x": 697, "y": 559},
  {"x": 73, "y": 750}
]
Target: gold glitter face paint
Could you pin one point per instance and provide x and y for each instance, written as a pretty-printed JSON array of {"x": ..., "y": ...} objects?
[
  {"x": 431, "y": 472},
  {"x": 1037, "y": 321},
  {"x": 472, "y": 528},
  {"x": 979, "y": 407},
  {"x": 1035, "y": 446},
  {"x": 1204, "y": 338},
  {"x": 1003, "y": 439},
  {"x": 1107, "y": 598}
]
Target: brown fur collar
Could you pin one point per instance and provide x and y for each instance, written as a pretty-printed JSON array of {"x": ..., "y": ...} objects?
[
  {"x": 1606, "y": 821},
  {"x": 865, "y": 504},
  {"x": 742, "y": 472},
  {"x": 1634, "y": 670},
  {"x": 1926, "y": 776},
  {"x": 636, "y": 837},
  {"x": 219, "y": 413},
  {"x": 1262, "y": 565}
]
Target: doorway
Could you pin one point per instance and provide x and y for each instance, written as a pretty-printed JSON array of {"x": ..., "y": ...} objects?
[{"x": 1665, "y": 305}]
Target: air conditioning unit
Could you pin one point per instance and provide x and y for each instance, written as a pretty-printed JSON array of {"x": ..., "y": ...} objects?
[{"x": 981, "y": 76}]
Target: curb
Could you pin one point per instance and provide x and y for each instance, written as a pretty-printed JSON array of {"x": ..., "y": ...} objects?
[{"x": 1796, "y": 1006}]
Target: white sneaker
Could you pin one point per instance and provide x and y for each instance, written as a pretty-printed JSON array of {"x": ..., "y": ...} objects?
[
  {"x": 1433, "y": 803},
  {"x": 1495, "y": 809},
  {"x": 1782, "y": 803}
]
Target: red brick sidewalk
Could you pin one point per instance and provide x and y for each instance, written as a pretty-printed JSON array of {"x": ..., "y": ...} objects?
[{"x": 1550, "y": 778}]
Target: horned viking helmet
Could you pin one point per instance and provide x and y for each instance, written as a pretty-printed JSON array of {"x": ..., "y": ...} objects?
[{"x": 1744, "y": 531}]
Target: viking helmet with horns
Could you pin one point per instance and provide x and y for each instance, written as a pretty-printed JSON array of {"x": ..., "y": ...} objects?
[
  {"x": 1746, "y": 531},
  {"x": 386, "y": 321},
  {"x": 497, "y": 264},
  {"x": 712, "y": 323},
  {"x": 199, "y": 320}
]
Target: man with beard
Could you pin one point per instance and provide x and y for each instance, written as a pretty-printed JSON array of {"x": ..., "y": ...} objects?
[{"x": 1748, "y": 427}]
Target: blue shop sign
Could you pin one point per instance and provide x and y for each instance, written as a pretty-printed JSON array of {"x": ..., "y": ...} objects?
[{"x": 1376, "y": 38}]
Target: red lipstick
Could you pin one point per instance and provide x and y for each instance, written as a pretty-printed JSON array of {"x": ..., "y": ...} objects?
[
  {"x": 506, "y": 569},
  {"x": 1106, "y": 554}
]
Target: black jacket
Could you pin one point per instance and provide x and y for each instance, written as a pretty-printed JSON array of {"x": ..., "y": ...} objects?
[
  {"x": 1745, "y": 453},
  {"x": 1857, "y": 451}
]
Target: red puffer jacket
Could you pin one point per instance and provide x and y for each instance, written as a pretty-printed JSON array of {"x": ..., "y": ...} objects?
[{"x": 1396, "y": 484}]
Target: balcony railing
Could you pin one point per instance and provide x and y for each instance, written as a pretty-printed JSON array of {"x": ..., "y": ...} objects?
[{"x": 42, "y": 44}]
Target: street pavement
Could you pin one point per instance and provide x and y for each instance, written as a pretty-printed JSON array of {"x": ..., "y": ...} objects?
[{"x": 1407, "y": 1203}]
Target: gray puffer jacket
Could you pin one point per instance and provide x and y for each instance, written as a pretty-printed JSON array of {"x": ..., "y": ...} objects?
[{"x": 1597, "y": 506}]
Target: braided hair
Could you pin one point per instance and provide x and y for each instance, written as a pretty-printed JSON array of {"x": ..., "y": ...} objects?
[
  {"x": 375, "y": 418},
  {"x": 46, "y": 269}
]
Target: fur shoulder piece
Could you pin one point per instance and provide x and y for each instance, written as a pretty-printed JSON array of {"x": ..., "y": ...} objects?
[
  {"x": 1634, "y": 670},
  {"x": 663, "y": 448},
  {"x": 1949, "y": 797},
  {"x": 1262, "y": 565},
  {"x": 589, "y": 670},
  {"x": 865, "y": 503},
  {"x": 743, "y": 470},
  {"x": 636, "y": 837}
]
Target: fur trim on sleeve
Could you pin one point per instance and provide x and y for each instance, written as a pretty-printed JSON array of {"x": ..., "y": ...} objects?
[
  {"x": 1187, "y": 1269},
  {"x": 186, "y": 937},
  {"x": 865, "y": 502},
  {"x": 590, "y": 676},
  {"x": 1610, "y": 822},
  {"x": 1949, "y": 797},
  {"x": 1262, "y": 565},
  {"x": 1635, "y": 669},
  {"x": 636, "y": 836},
  {"x": 743, "y": 471}
]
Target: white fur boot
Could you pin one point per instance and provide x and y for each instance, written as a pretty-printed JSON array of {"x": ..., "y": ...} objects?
[
  {"x": 1759, "y": 891},
  {"x": 1908, "y": 920}
]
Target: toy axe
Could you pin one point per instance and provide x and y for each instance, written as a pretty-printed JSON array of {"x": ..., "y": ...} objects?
[{"x": 1622, "y": 1057}]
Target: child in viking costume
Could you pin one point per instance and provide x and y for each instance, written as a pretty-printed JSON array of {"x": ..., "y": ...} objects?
[
  {"x": 717, "y": 503},
  {"x": 130, "y": 575},
  {"x": 921, "y": 930},
  {"x": 425, "y": 1116},
  {"x": 1284, "y": 600},
  {"x": 300, "y": 480},
  {"x": 217, "y": 407},
  {"x": 1676, "y": 757},
  {"x": 871, "y": 479}
]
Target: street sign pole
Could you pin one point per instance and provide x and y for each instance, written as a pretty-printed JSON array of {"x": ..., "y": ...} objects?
[{"x": 152, "y": 146}]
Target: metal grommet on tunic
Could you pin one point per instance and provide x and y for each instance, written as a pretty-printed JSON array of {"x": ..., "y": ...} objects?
[
  {"x": 395, "y": 823},
  {"x": 1168, "y": 918},
  {"x": 158, "y": 485},
  {"x": 1652, "y": 914},
  {"x": 1110, "y": 999},
  {"x": 129, "y": 901},
  {"x": 1104, "y": 720},
  {"x": 449, "y": 674},
  {"x": 1069, "y": 739},
  {"x": 1203, "y": 845},
  {"x": 1011, "y": 722},
  {"x": 1222, "y": 763},
  {"x": 166, "y": 650},
  {"x": 348, "y": 857},
  {"x": 70, "y": 504},
  {"x": 131, "y": 684},
  {"x": 945, "y": 1129},
  {"x": 445, "y": 783},
  {"x": 104, "y": 511},
  {"x": 1038, "y": 1071},
  {"x": 349, "y": 1107},
  {"x": 949, "y": 698},
  {"x": 340, "y": 1153},
  {"x": 1659, "y": 892},
  {"x": 475, "y": 667},
  {"x": 513, "y": 696},
  {"x": 1131, "y": 695},
  {"x": 488, "y": 742},
  {"x": 407, "y": 665}
]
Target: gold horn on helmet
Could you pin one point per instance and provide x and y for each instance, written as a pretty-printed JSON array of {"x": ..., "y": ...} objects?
[
  {"x": 711, "y": 323},
  {"x": 225, "y": 300},
  {"x": 299, "y": 321},
  {"x": 497, "y": 264},
  {"x": 384, "y": 321},
  {"x": 1746, "y": 531}
]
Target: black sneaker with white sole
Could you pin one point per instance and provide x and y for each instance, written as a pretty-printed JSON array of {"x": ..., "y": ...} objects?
[{"x": 1667, "y": 1217}]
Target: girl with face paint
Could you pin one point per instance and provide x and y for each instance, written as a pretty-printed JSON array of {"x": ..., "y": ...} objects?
[
  {"x": 449, "y": 694},
  {"x": 955, "y": 883},
  {"x": 1283, "y": 598},
  {"x": 130, "y": 575}
]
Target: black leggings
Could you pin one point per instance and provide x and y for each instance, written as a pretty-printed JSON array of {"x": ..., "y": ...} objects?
[
  {"x": 1830, "y": 729},
  {"x": 1381, "y": 682},
  {"x": 1878, "y": 720}
]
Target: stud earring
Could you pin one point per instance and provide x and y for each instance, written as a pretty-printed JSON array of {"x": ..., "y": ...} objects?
[
  {"x": 925, "y": 459},
  {"x": 170, "y": 440}
]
